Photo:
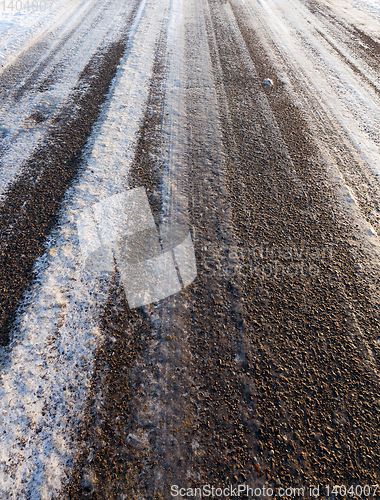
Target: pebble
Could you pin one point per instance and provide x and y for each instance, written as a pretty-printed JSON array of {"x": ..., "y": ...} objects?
[{"x": 268, "y": 82}]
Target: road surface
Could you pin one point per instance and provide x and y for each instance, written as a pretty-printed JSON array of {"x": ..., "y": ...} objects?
[{"x": 252, "y": 124}]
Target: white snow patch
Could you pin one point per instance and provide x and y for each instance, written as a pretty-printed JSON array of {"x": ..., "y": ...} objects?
[
  {"x": 69, "y": 34},
  {"x": 365, "y": 14},
  {"x": 341, "y": 91},
  {"x": 44, "y": 387}
]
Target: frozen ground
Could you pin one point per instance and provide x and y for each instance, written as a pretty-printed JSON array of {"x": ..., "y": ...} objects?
[
  {"x": 364, "y": 14},
  {"x": 322, "y": 65},
  {"x": 44, "y": 387},
  {"x": 47, "y": 51},
  {"x": 21, "y": 26},
  {"x": 47, "y": 375}
]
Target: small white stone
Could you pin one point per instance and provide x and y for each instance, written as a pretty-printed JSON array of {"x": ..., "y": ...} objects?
[{"x": 268, "y": 82}]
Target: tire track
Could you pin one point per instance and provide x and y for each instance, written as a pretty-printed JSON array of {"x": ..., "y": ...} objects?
[
  {"x": 33, "y": 201},
  {"x": 310, "y": 383},
  {"x": 32, "y": 96},
  {"x": 353, "y": 37},
  {"x": 242, "y": 377},
  {"x": 46, "y": 379},
  {"x": 352, "y": 170},
  {"x": 142, "y": 456},
  {"x": 274, "y": 382}
]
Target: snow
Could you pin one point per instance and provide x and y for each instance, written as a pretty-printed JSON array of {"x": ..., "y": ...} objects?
[
  {"x": 45, "y": 383},
  {"x": 62, "y": 41},
  {"x": 305, "y": 41},
  {"x": 19, "y": 27},
  {"x": 365, "y": 14}
]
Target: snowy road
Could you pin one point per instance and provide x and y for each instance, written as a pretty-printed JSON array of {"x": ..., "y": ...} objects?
[{"x": 259, "y": 365}]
